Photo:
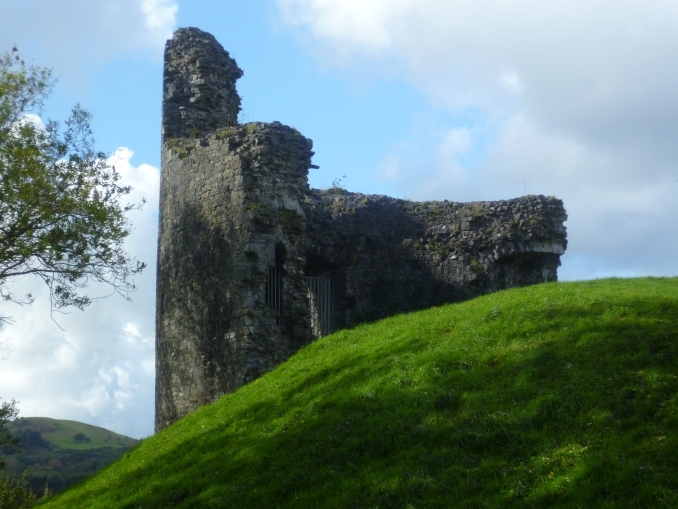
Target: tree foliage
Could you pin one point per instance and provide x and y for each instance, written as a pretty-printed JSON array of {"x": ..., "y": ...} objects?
[
  {"x": 8, "y": 442},
  {"x": 80, "y": 437},
  {"x": 62, "y": 216},
  {"x": 15, "y": 493}
]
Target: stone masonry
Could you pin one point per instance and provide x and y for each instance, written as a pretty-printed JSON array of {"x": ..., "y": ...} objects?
[{"x": 237, "y": 218}]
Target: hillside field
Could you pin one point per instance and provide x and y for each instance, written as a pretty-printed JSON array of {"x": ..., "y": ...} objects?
[
  {"x": 61, "y": 433},
  {"x": 557, "y": 395},
  {"x": 54, "y": 458}
]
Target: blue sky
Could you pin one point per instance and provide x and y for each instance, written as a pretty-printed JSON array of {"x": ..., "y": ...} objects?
[{"x": 421, "y": 99}]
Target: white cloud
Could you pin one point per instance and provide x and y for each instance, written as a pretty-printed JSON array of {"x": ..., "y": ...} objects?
[
  {"x": 121, "y": 397},
  {"x": 89, "y": 371},
  {"x": 111, "y": 390},
  {"x": 132, "y": 330},
  {"x": 457, "y": 141},
  {"x": 511, "y": 82},
  {"x": 355, "y": 23},
  {"x": 94, "y": 400},
  {"x": 65, "y": 357},
  {"x": 72, "y": 36},
  {"x": 145, "y": 179},
  {"x": 159, "y": 16},
  {"x": 148, "y": 366},
  {"x": 122, "y": 375},
  {"x": 577, "y": 99},
  {"x": 576, "y": 57},
  {"x": 30, "y": 118},
  {"x": 389, "y": 169}
]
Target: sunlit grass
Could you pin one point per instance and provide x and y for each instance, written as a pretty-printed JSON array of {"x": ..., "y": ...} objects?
[{"x": 559, "y": 395}]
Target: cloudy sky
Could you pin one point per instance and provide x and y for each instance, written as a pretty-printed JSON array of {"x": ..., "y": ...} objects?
[{"x": 421, "y": 99}]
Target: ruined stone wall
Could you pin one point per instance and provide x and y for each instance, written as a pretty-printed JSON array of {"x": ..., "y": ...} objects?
[
  {"x": 389, "y": 256},
  {"x": 236, "y": 213}
]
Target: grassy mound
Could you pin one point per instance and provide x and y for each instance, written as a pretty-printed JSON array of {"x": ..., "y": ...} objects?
[{"x": 561, "y": 395}]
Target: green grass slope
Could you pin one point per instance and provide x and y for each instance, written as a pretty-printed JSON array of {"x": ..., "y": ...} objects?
[
  {"x": 61, "y": 432},
  {"x": 560, "y": 395}
]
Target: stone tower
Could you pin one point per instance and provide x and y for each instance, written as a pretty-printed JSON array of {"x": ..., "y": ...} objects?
[
  {"x": 253, "y": 264},
  {"x": 229, "y": 209}
]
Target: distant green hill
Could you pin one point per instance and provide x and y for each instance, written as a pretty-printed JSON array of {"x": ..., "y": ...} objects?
[
  {"x": 62, "y": 433},
  {"x": 51, "y": 456},
  {"x": 559, "y": 395}
]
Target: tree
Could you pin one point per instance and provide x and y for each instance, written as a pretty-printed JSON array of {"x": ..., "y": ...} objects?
[
  {"x": 81, "y": 437},
  {"x": 8, "y": 442},
  {"x": 62, "y": 216},
  {"x": 16, "y": 494}
]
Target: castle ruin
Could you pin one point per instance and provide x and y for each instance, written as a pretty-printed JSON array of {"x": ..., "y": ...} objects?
[{"x": 253, "y": 264}]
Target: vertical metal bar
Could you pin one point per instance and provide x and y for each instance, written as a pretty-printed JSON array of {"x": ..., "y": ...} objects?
[
  {"x": 278, "y": 296},
  {"x": 320, "y": 307},
  {"x": 275, "y": 288},
  {"x": 316, "y": 310},
  {"x": 324, "y": 307},
  {"x": 327, "y": 307},
  {"x": 322, "y": 285}
]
